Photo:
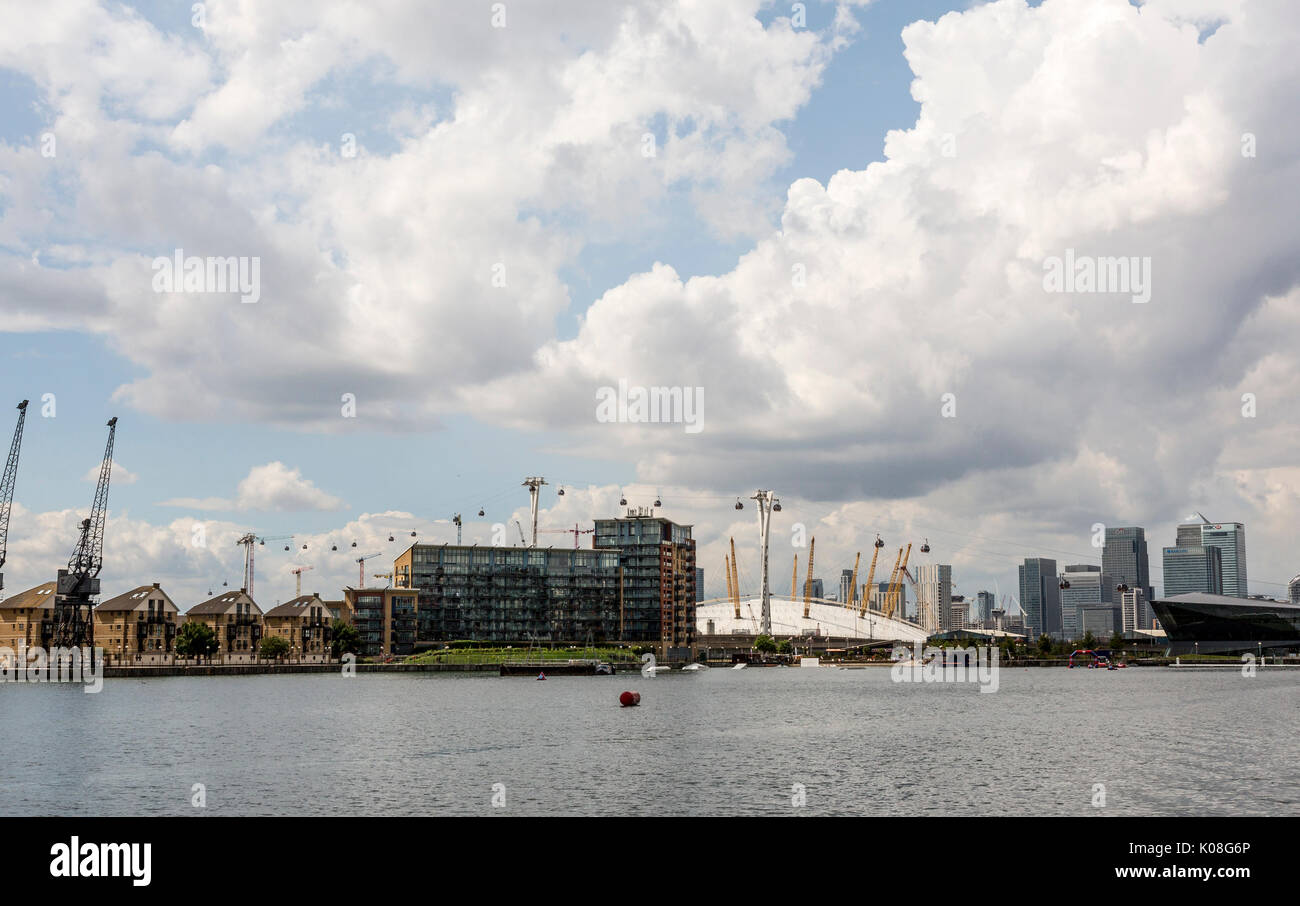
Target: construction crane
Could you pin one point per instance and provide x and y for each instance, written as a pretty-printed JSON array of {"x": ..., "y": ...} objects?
[
  {"x": 807, "y": 585},
  {"x": 297, "y": 572},
  {"x": 891, "y": 599},
  {"x": 853, "y": 583},
  {"x": 794, "y": 578},
  {"x": 456, "y": 520},
  {"x": 361, "y": 572},
  {"x": 71, "y": 625},
  {"x": 7, "y": 487},
  {"x": 522, "y": 539},
  {"x": 388, "y": 576},
  {"x": 735, "y": 579},
  {"x": 248, "y": 540},
  {"x": 575, "y": 532},
  {"x": 871, "y": 576},
  {"x": 727, "y": 571}
]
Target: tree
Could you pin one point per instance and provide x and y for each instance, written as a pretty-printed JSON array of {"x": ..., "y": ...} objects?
[
  {"x": 1045, "y": 644},
  {"x": 785, "y": 646},
  {"x": 765, "y": 643},
  {"x": 1089, "y": 640},
  {"x": 344, "y": 639},
  {"x": 273, "y": 646},
  {"x": 196, "y": 640},
  {"x": 1116, "y": 640}
]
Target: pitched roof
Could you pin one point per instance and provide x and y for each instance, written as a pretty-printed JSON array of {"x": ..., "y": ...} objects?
[
  {"x": 295, "y": 607},
  {"x": 40, "y": 596},
  {"x": 223, "y": 603},
  {"x": 135, "y": 598}
]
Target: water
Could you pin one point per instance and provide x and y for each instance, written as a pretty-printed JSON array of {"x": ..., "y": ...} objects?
[{"x": 1162, "y": 741}]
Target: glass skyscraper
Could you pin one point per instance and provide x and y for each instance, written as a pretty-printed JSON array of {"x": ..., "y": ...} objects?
[
  {"x": 1124, "y": 558},
  {"x": 1230, "y": 539},
  {"x": 1088, "y": 585},
  {"x": 1040, "y": 597},
  {"x": 1188, "y": 569}
]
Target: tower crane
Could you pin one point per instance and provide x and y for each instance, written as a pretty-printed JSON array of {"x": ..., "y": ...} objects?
[
  {"x": 71, "y": 625},
  {"x": 727, "y": 570},
  {"x": 457, "y": 522},
  {"x": 361, "y": 572},
  {"x": 891, "y": 599},
  {"x": 575, "y": 532},
  {"x": 7, "y": 486},
  {"x": 248, "y": 539},
  {"x": 807, "y": 585},
  {"x": 853, "y": 583},
  {"x": 871, "y": 576},
  {"x": 297, "y": 572},
  {"x": 735, "y": 580},
  {"x": 388, "y": 576}
]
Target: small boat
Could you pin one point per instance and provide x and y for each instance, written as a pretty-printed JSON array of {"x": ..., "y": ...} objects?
[
  {"x": 740, "y": 666},
  {"x": 694, "y": 668},
  {"x": 604, "y": 669}
]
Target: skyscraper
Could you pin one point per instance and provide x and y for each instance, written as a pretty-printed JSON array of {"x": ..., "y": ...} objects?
[
  {"x": 1124, "y": 558},
  {"x": 1230, "y": 539},
  {"x": 1040, "y": 597},
  {"x": 1087, "y": 585},
  {"x": 846, "y": 585},
  {"x": 934, "y": 592},
  {"x": 1192, "y": 568},
  {"x": 985, "y": 606}
]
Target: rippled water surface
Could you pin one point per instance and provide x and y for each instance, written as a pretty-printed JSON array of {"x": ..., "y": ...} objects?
[{"x": 1162, "y": 741}]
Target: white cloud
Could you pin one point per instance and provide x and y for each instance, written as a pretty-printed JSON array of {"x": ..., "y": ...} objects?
[
  {"x": 120, "y": 475},
  {"x": 273, "y": 486}
]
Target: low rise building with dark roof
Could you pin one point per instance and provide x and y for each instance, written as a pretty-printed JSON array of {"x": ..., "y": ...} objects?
[
  {"x": 138, "y": 627},
  {"x": 237, "y": 621},
  {"x": 21, "y": 617},
  {"x": 305, "y": 624}
]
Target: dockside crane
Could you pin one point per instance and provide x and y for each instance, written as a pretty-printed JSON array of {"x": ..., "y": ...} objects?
[
  {"x": 71, "y": 624},
  {"x": 807, "y": 585},
  {"x": 7, "y": 487},
  {"x": 248, "y": 540}
]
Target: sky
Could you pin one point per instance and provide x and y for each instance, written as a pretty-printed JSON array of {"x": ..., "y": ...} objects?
[{"x": 832, "y": 223}]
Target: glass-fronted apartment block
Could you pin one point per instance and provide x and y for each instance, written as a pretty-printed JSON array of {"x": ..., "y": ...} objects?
[
  {"x": 510, "y": 594},
  {"x": 385, "y": 619},
  {"x": 658, "y": 560},
  {"x": 1188, "y": 569}
]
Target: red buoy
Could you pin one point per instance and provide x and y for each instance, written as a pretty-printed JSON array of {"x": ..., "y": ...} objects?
[{"x": 629, "y": 699}]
